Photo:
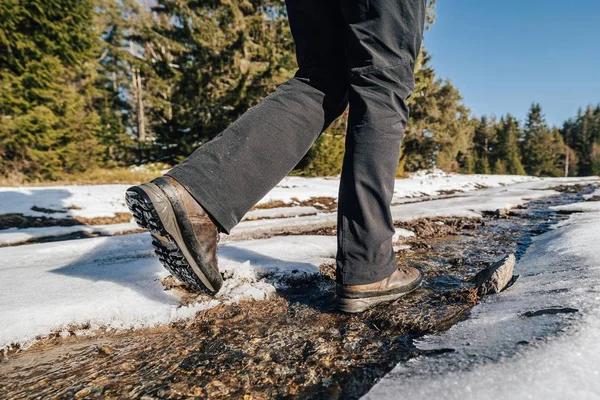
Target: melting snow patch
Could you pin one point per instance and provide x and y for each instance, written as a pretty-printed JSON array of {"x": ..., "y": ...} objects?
[
  {"x": 14, "y": 235},
  {"x": 115, "y": 282},
  {"x": 584, "y": 206},
  {"x": 282, "y": 212},
  {"x": 89, "y": 201},
  {"x": 538, "y": 340},
  {"x": 92, "y": 201},
  {"x": 402, "y": 233}
]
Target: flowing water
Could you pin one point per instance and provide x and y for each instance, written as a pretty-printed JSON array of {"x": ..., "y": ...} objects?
[{"x": 294, "y": 345}]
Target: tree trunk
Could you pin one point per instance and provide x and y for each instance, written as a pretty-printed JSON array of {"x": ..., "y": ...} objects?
[
  {"x": 141, "y": 122},
  {"x": 170, "y": 105},
  {"x": 566, "y": 161}
]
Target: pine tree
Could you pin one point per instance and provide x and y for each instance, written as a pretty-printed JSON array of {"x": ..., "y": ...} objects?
[
  {"x": 439, "y": 132},
  {"x": 118, "y": 23},
  {"x": 556, "y": 154},
  {"x": 596, "y": 140},
  {"x": 584, "y": 143},
  {"x": 568, "y": 131},
  {"x": 224, "y": 58},
  {"x": 506, "y": 154},
  {"x": 47, "y": 69},
  {"x": 583, "y": 136},
  {"x": 483, "y": 145},
  {"x": 543, "y": 148}
]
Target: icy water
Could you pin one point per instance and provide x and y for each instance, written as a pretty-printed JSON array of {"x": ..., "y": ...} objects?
[{"x": 295, "y": 345}]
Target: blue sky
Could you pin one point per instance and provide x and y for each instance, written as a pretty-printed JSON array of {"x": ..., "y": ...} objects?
[{"x": 503, "y": 55}]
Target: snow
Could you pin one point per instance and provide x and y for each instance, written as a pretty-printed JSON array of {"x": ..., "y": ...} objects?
[
  {"x": 282, "y": 212},
  {"x": 420, "y": 184},
  {"x": 499, "y": 353},
  {"x": 595, "y": 193},
  {"x": 114, "y": 282},
  {"x": 469, "y": 204},
  {"x": 14, "y": 235},
  {"x": 437, "y": 182},
  {"x": 88, "y": 201},
  {"x": 92, "y": 201},
  {"x": 402, "y": 233},
  {"x": 584, "y": 206}
]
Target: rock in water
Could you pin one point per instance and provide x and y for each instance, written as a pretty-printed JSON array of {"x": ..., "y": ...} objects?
[{"x": 496, "y": 277}]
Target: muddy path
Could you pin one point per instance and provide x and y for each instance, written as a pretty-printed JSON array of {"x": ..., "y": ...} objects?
[{"x": 294, "y": 345}]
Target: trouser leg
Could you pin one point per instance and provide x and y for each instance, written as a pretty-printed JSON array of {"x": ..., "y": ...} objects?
[
  {"x": 382, "y": 42},
  {"x": 231, "y": 173}
]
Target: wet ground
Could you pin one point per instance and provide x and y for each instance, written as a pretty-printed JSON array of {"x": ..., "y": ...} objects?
[{"x": 294, "y": 345}]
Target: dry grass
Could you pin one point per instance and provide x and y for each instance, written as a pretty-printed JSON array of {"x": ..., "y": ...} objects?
[
  {"x": 321, "y": 203},
  {"x": 95, "y": 176},
  {"x": 118, "y": 218},
  {"x": 271, "y": 204}
]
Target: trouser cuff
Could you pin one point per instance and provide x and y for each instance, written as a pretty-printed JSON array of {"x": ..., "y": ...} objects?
[{"x": 222, "y": 218}]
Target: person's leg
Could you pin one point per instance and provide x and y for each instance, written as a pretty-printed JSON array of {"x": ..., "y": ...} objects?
[
  {"x": 231, "y": 173},
  {"x": 382, "y": 42},
  {"x": 224, "y": 178}
]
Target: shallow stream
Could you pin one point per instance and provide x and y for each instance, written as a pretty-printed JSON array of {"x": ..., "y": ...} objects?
[{"x": 294, "y": 345}]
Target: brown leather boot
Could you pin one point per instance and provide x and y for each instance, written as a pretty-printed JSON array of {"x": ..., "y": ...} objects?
[
  {"x": 184, "y": 237},
  {"x": 357, "y": 298}
]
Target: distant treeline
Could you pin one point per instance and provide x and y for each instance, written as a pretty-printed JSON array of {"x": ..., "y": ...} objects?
[
  {"x": 88, "y": 83},
  {"x": 506, "y": 147}
]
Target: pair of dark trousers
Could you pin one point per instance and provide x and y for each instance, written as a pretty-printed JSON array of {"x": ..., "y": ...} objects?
[{"x": 360, "y": 52}]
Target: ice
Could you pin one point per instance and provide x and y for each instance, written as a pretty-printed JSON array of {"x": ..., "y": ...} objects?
[
  {"x": 584, "y": 206},
  {"x": 115, "y": 282},
  {"x": 500, "y": 353},
  {"x": 14, "y": 235},
  {"x": 595, "y": 193}
]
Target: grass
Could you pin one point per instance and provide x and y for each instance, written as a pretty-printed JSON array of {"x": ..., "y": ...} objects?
[{"x": 95, "y": 176}]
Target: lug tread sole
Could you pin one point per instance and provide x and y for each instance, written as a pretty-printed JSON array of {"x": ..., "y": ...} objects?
[{"x": 165, "y": 247}]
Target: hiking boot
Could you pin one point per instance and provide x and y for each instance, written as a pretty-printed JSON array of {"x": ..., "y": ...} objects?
[
  {"x": 183, "y": 235},
  {"x": 357, "y": 298}
]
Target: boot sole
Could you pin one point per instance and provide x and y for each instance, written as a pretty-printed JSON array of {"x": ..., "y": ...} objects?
[
  {"x": 352, "y": 306},
  {"x": 153, "y": 211}
]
